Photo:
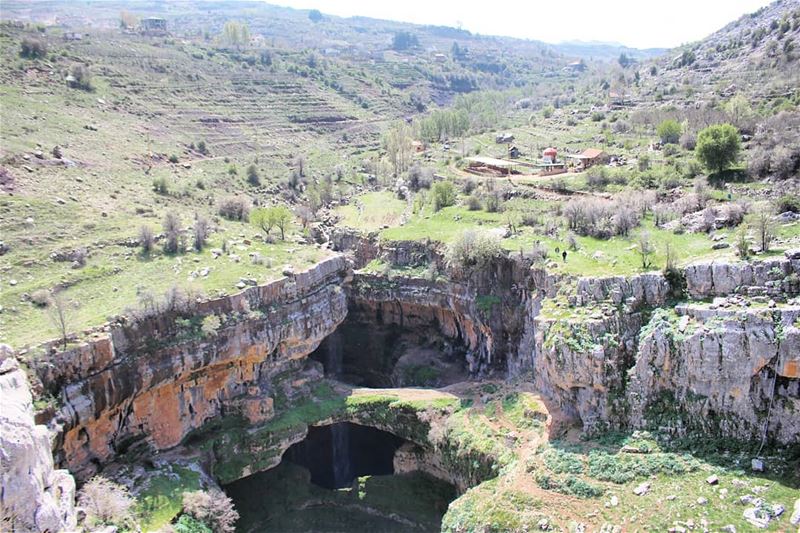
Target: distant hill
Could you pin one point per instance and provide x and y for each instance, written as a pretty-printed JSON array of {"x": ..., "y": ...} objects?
[{"x": 603, "y": 51}]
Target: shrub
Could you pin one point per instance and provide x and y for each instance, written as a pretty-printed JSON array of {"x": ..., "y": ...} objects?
[
  {"x": 234, "y": 208},
  {"x": 419, "y": 178},
  {"x": 252, "y": 176},
  {"x": 210, "y": 325},
  {"x": 742, "y": 244},
  {"x": 80, "y": 78},
  {"x": 669, "y": 131},
  {"x": 213, "y": 507},
  {"x": 40, "y": 298},
  {"x": 758, "y": 165},
  {"x": 187, "y": 524},
  {"x": 788, "y": 202},
  {"x": 597, "y": 116},
  {"x": 146, "y": 239},
  {"x": 468, "y": 186},
  {"x": 173, "y": 158},
  {"x": 201, "y": 147},
  {"x": 200, "y": 232},
  {"x": 473, "y": 203},
  {"x": 687, "y": 141},
  {"x": 718, "y": 147},
  {"x": 106, "y": 502},
  {"x": 472, "y": 250},
  {"x": 172, "y": 230},
  {"x": 444, "y": 194},
  {"x": 160, "y": 185},
  {"x": 32, "y": 48},
  {"x": 784, "y": 162},
  {"x": 493, "y": 202},
  {"x": 764, "y": 226}
]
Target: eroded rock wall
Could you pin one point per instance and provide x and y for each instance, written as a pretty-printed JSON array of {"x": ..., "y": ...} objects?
[
  {"x": 153, "y": 382},
  {"x": 34, "y": 496}
]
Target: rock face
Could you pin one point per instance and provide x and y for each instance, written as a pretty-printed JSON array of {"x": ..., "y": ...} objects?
[
  {"x": 152, "y": 383},
  {"x": 34, "y": 496}
]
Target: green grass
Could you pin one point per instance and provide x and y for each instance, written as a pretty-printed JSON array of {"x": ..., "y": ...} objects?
[
  {"x": 161, "y": 499},
  {"x": 379, "y": 209}
]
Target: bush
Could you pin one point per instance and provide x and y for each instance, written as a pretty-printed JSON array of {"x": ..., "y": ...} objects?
[
  {"x": 472, "y": 250},
  {"x": 210, "y": 325},
  {"x": 252, "y": 176},
  {"x": 146, "y": 239},
  {"x": 172, "y": 231},
  {"x": 444, "y": 194},
  {"x": 687, "y": 141},
  {"x": 201, "y": 147},
  {"x": 40, "y": 298},
  {"x": 80, "y": 78},
  {"x": 669, "y": 131},
  {"x": 214, "y": 508},
  {"x": 106, "y": 503},
  {"x": 187, "y": 524},
  {"x": 32, "y": 48},
  {"x": 200, "y": 232},
  {"x": 597, "y": 116},
  {"x": 493, "y": 202},
  {"x": 784, "y": 162},
  {"x": 788, "y": 202},
  {"x": 160, "y": 185},
  {"x": 234, "y": 208},
  {"x": 473, "y": 203},
  {"x": 173, "y": 158},
  {"x": 718, "y": 147},
  {"x": 419, "y": 178}
]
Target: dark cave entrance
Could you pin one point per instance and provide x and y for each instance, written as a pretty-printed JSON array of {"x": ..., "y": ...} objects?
[
  {"x": 341, "y": 477},
  {"x": 366, "y": 352},
  {"x": 336, "y": 454}
]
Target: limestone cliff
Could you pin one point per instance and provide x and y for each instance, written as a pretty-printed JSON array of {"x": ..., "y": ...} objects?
[
  {"x": 150, "y": 383},
  {"x": 33, "y": 495}
]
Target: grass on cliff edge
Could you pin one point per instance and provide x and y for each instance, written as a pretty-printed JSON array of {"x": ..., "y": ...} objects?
[{"x": 160, "y": 499}]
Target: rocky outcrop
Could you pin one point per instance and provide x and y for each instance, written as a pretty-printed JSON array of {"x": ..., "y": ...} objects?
[
  {"x": 33, "y": 495},
  {"x": 149, "y": 384},
  {"x": 729, "y": 372},
  {"x": 777, "y": 278}
]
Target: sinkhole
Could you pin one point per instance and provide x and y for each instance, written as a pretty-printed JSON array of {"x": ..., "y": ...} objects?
[{"x": 341, "y": 477}]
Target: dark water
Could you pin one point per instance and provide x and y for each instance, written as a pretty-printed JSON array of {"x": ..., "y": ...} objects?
[
  {"x": 284, "y": 500},
  {"x": 340, "y": 479}
]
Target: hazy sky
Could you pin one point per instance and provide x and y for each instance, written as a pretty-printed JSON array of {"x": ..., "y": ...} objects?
[{"x": 637, "y": 23}]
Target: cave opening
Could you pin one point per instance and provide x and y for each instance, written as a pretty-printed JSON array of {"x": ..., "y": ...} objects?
[
  {"x": 365, "y": 352},
  {"x": 341, "y": 477}
]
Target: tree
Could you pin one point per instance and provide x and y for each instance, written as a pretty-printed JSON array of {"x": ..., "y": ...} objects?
[
  {"x": 106, "y": 502},
  {"x": 765, "y": 229},
  {"x": 266, "y": 218},
  {"x": 200, "y": 232},
  {"x": 146, "y": 239},
  {"x": 624, "y": 60},
  {"x": 404, "y": 40},
  {"x": 32, "y": 48},
  {"x": 235, "y": 33},
  {"x": 127, "y": 20},
  {"x": 80, "y": 78},
  {"x": 60, "y": 316},
  {"x": 252, "y": 176},
  {"x": 213, "y": 508},
  {"x": 645, "y": 249},
  {"x": 669, "y": 131},
  {"x": 283, "y": 217},
  {"x": 397, "y": 142},
  {"x": 315, "y": 16},
  {"x": 718, "y": 147},
  {"x": 444, "y": 194},
  {"x": 172, "y": 231}
]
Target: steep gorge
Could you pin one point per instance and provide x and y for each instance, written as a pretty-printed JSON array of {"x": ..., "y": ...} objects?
[{"x": 609, "y": 352}]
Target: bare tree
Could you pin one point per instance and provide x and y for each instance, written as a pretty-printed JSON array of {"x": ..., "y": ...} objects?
[
  {"x": 213, "y": 508},
  {"x": 172, "y": 231},
  {"x": 200, "y": 231},
  {"x": 59, "y": 313},
  {"x": 645, "y": 249},
  {"x": 146, "y": 239},
  {"x": 106, "y": 502},
  {"x": 765, "y": 229}
]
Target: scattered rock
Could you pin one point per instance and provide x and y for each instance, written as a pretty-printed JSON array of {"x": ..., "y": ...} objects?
[
  {"x": 543, "y": 524},
  {"x": 756, "y": 517},
  {"x": 642, "y": 488},
  {"x": 730, "y": 528},
  {"x": 795, "y": 518},
  {"x": 12, "y": 282},
  {"x": 614, "y": 501},
  {"x": 712, "y": 480},
  {"x": 702, "y": 501},
  {"x": 288, "y": 270},
  {"x": 241, "y": 285},
  {"x": 720, "y": 246},
  {"x": 671, "y": 497},
  {"x": 757, "y": 465}
]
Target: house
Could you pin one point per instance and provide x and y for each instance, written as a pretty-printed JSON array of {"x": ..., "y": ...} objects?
[
  {"x": 590, "y": 157},
  {"x": 550, "y": 164},
  {"x": 504, "y": 138},
  {"x": 513, "y": 152},
  {"x": 440, "y": 58},
  {"x": 577, "y": 66},
  {"x": 153, "y": 26},
  {"x": 490, "y": 166},
  {"x": 73, "y": 36}
]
